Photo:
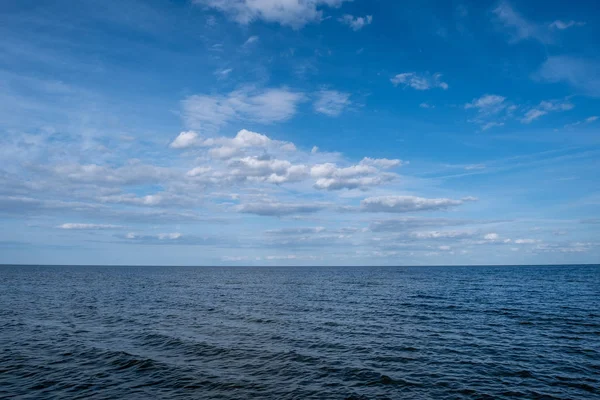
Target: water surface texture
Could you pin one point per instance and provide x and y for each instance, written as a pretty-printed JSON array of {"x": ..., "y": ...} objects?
[{"x": 300, "y": 333}]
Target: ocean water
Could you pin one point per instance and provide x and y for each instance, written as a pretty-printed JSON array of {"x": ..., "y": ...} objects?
[{"x": 300, "y": 333}]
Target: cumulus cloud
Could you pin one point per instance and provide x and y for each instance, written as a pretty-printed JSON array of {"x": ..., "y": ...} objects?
[
  {"x": 184, "y": 140},
  {"x": 267, "y": 170},
  {"x": 211, "y": 112},
  {"x": 404, "y": 204},
  {"x": 491, "y": 236},
  {"x": 419, "y": 81},
  {"x": 226, "y": 148},
  {"x": 361, "y": 176},
  {"x": 356, "y": 23},
  {"x": 293, "y": 13},
  {"x": 331, "y": 102}
]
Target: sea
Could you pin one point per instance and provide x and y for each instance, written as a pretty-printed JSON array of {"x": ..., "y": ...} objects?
[{"x": 477, "y": 332}]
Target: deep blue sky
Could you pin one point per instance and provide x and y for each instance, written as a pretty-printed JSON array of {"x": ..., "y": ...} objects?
[{"x": 299, "y": 132}]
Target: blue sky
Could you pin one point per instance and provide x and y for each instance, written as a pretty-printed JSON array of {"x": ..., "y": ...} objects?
[{"x": 290, "y": 132}]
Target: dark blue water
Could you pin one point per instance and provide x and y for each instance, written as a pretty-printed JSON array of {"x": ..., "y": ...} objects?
[{"x": 307, "y": 333}]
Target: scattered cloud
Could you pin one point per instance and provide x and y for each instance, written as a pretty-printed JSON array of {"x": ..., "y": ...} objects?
[
  {"x": 426, "y": 105},
  {"x": 492, "y": 110},
  {"x": 291, "y": 13},
  {"x": 419, "y": 81},
  {"x": 544, "y": 108},
  {"x": 356, "y": 23},
  {"x": 331, "y": 102}
]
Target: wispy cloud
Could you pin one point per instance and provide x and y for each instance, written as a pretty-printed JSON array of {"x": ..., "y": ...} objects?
[
  {"x": 292, "y": 13},
  {"x": 419, "y": 81},
  {"x": 518, "y": 27},
  {"x": 492, "y": 110},
  {"x": 356, "y": 23},
  {"x": 88, "y": 227},
  {"x": 581, "y": 74},
  {"x": 562, "y": 25},
  {"x": 544, "y": 108},
  {"x": 331, "y": 102},
  {"x": 210, "y": 112}
]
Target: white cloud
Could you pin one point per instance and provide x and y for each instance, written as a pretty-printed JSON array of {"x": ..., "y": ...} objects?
[
  {"x": 582, "y": 74},
  {"x": 294, "y": 13},
  {"x": 518, "y": 26},
  {"x": 488, "y": 103},
  {"x": 198, "y": 171},
  {"x": 223, "y": 73},
  {"x": 441, "y": 235},
  {"x": 271, "y": 171},
  {"x": 562, "y": 25},
  {"x": 361, "y": 176},
  {"x": 426, "y": 105},
  {"x": 382, "y": 162},
  {"x": 79, "y": 226},
  {"x": 591, "y": 119},
  {"x": 418, "y": 81},
  {"x": 544, "y": 108},
  {"x": 226, "y": 148},
  {"x": 356, "y": 23},
  {"x": 532, "y": 115},
  {"x": 491, "y": 236},
  {"x": 492, "y": 124},
  {"x": 331, "y": 102},
  {"x": 184, "y": 140},
  {"x": 251, "y": 39},
  {"x": 526, "y": 241},
  {"x": 491, "y": 110},
  {"x": 210, "y": 112},
  {"x": 403, "y": 204}
]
